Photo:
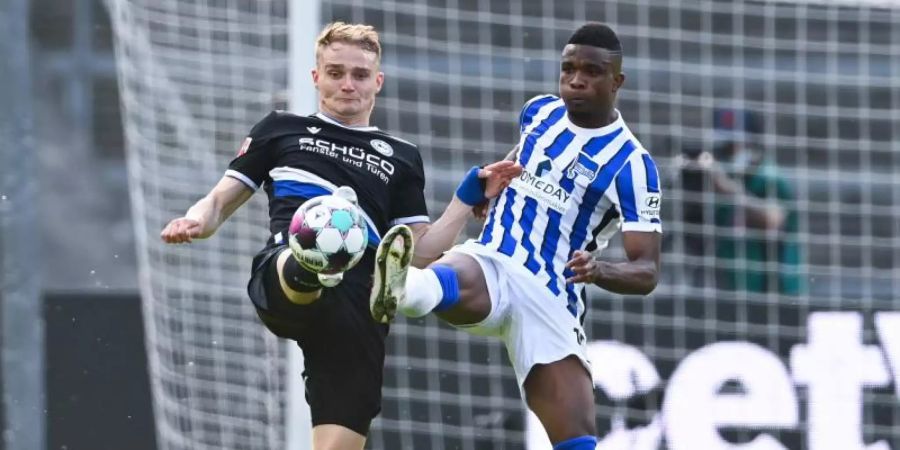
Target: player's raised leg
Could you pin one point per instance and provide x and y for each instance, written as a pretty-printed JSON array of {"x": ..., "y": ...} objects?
[
  {"x": 300, "y": 285},
  {"x": 453, "y": 287},
  {"x": 456, "y": 290}
]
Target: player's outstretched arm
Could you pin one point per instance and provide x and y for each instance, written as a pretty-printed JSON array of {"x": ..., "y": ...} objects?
[
  {"x": 637, "y": 276},
  {"x": 759, "y": 213},
  {"x": 205, "y": 217},
  {"x": 432, "y": 240}
]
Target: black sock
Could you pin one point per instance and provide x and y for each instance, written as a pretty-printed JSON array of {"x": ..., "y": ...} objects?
[{"x": 298, "y": 278}]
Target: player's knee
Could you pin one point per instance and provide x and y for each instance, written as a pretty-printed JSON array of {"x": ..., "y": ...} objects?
[{"x": 473, "y": 302}]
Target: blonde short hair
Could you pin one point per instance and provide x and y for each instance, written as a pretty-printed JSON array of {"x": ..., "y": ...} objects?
[{"x": 363, "y": 36}]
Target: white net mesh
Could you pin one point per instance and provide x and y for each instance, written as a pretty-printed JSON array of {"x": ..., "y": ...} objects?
[
  {"x": 823, "y": 78},
  {"x": 195, "y": 76},
  {"x": 824, "y": 81}
]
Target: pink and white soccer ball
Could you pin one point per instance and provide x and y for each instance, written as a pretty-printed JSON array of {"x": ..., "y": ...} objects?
[{"x": 328, "y": 235}]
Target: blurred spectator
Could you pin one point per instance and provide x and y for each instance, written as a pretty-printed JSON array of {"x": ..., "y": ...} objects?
[{"x": 754, "y": 214}]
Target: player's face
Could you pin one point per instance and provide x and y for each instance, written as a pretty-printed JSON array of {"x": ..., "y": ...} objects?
[
  {"x": 347, "y": 79},
  {"x": 589, "y": 78}
]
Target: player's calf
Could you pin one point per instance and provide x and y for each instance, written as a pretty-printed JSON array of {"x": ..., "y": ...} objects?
[
  {"x": 561, "y": 395},
  {"x": 299, "y": 284}
]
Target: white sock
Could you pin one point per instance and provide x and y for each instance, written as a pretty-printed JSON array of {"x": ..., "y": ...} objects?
[{"x": 423, "y": 292}]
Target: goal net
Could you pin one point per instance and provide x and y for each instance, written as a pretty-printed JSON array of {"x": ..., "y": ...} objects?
[
  {"x": 742, "y": 359},
  {"x": 195, "y": 75}
]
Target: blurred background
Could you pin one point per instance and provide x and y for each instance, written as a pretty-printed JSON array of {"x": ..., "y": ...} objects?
[{"x": 774, "y": 125}]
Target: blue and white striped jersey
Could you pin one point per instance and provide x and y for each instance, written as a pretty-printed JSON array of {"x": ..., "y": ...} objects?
[{"x": 577, "y": 188}]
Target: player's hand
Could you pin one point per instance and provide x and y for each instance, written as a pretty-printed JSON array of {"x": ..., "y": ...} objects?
[
  {"x": 704, "y": 162},
  {"x": 497, "y": 176},
  {"x": 181, "y": 230},
  {"x": 585, "y": 267},
  {"x": 706, "y": 165}
]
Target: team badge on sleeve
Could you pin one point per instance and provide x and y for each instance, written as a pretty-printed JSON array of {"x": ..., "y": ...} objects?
[{"x": 245, "y": 146}]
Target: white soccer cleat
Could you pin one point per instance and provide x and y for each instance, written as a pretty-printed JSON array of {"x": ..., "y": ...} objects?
[
  {"x": 346, "y": 193},
  {"x": 391, "y": 264},
  {"x": 330, "y": 280}
]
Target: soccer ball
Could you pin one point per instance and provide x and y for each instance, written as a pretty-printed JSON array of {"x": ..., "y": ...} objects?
[{"x": 328, "y": 235}]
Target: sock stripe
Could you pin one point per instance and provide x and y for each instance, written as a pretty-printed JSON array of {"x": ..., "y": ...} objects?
[
  {"x": 579, "y": 443},
  {"x": 449, "y": 285}
]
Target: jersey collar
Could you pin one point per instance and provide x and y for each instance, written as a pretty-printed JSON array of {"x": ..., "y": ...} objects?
[
  {"x": 324, "y": 117},
  {"x": 618, "y": 123}
]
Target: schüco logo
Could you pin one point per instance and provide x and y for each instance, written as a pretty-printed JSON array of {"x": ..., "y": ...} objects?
[{"x": 373, "y": 162}]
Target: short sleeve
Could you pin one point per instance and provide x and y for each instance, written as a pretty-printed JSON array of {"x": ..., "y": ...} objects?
[
  {"x": 255, "y": 158},
  {"x": 637, "y": 194},
  {"x": 408, "y": 196}
]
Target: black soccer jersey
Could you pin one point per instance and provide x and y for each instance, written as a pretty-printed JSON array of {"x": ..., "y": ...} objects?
[{"x": 294, "y": 158}]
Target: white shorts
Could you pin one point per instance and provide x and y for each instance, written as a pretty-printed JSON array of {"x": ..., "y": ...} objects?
[{"x": 536, "y": 326}]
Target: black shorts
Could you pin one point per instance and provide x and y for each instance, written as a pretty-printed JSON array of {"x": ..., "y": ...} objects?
[{"x": 343, "y": 347}]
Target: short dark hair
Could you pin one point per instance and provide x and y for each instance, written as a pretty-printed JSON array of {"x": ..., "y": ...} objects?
[{"x": 597, "y": 35}]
